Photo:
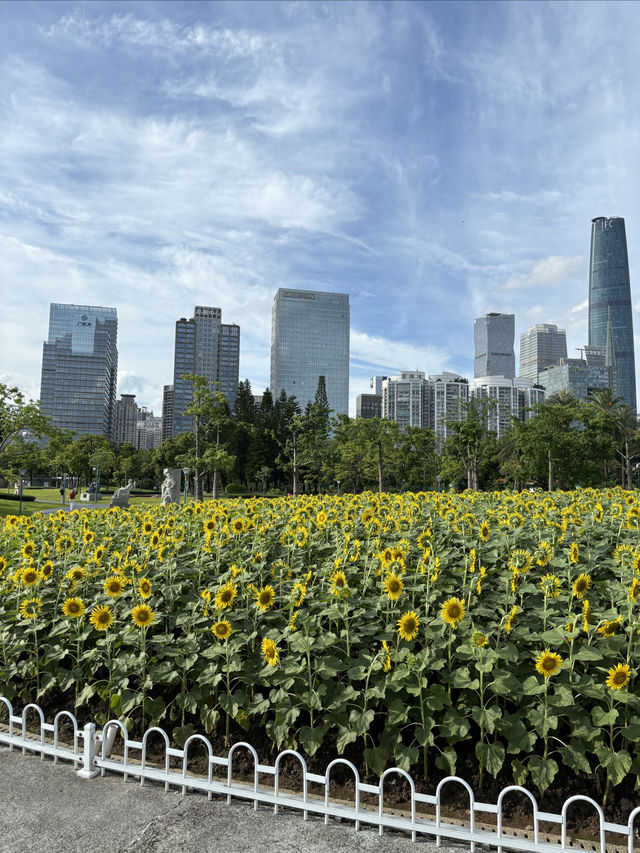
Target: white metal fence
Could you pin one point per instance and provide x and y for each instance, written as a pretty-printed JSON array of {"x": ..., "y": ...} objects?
[{"x": 91, "y": 755}]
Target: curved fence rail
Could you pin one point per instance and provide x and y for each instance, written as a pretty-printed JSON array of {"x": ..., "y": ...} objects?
[{"x": 91, "y": 755}]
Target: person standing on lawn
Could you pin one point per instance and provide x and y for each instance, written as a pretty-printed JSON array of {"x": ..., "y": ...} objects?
[
  {"x": 72, "y": 497},
  {"x": 62, "y": 495}
]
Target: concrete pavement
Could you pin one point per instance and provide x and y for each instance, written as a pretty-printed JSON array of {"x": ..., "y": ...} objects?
[{"x": 46, "y": 806}]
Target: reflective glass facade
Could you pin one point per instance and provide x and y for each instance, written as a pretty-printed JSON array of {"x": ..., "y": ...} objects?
[
  {"x": 80, "y": 368},
  {"x": 309, "y": 339},
  {"x": 610, "y": 299},
  {"x": 493, "y": 336},
  {"x": 541, "y": 346}
]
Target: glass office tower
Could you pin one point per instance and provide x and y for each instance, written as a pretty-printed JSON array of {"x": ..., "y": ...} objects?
[
  {"x": 309, "y": 339},
  {"x": 206, "y": 346},
  {"x": 493, "y": 336},
  {"x": 80, "y": 369},
  {"x": 610, "y": 302},
  {"x": 541, "y": 346}
]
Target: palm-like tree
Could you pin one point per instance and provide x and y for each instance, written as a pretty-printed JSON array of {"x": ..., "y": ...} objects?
[{"x": 609, "y": 411}]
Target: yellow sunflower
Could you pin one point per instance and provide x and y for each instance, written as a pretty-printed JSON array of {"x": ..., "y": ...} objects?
[
  {"x": 484, "y": 531},
  {"x": 114, "y": 586},
  {"x": 30, "y": 576},
  {"x": 265, "y": 598},
  {"x": 550, "y": 585},
  {"x": 3, "y": 564},
  {"x": 452, "y": 612},
  {"x": 101, "y": 617},
  {"x": 479, "y": 639},
  {"x": 77, "y": 573},
  {"x": 548, "y": 663},
  {"x": 225, "y": 596},
  {"x": 574, "y": 554},
  {"x": 30, "y": 607},
  {"x": 618, "y": 676},
  {"x": 237, "y": 525},
  {"x": 47, "y": 570},
  {"x": 28, "y": 549},
  {"x": 221, "y": 629},
  {"x": 73, "y": 608},
  {"x": 386, "y": 662},
  {"x": 88, "y": 536},
  {"x": 144, "y": 587},
  {"x": 609, "y": 627},
  {"x": 408, "y": 625},
  {"x": 270, "y": 651},
  {"x": 543, "y": 555},
  {"x": 393, "y": 586},
  {"x": 581, "y": 585},
  {"x": 634, "y": 589},
  {"x": 142, "y": 615},
  {"x": 338, "y": 581}
]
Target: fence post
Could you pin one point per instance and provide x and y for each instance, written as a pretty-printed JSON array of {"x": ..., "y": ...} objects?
[{"x": 89, "y": 770}]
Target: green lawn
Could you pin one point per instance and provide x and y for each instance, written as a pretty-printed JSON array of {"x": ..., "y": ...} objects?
[{"x": 50, "y": 498}]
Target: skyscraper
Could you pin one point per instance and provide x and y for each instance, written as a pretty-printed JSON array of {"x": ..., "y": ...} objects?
[
  {"x": 80, "y": 368},
  {"x": 493, "y": 336},
  {"x": 610, "y": 301},
  {"x": 309, "y": 339},
  {"x": 541, "y": 346},
  {"x": 206, "y": 346}
]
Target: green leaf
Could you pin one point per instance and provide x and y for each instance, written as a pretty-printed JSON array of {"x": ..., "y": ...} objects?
[
  {"x": 397, "y": 712},
  {"x": 460, "y": 677},
  {"x": 345, "y": 737},
  {"x": 588, "y": 653},
  {"x": 519, "y": 770},
  {"x": 519, "y": 738},
  {"x": 617, "y": 764},
  {"x": 376, "y": 758},
  {"x": 454, "y": 727},
  {"x": 311, "y": 738},
  {"x": 573, "y": 756},
  {"x": 601, "y": 717},
  {"x": 405, "y": 756},
  {"x": 542, "y": 771},
  {"x": 182, "y": 733},
  {"x": 156, "y": 709},
  {"x": 361, "y": 720},
  {"x": 532, "y": 686},
  {"x": 491, "y": 756},
  {"x": 437, "y": 698},
  {"x": 447, "y": 760},
  {"x": 486, "y": 717}
]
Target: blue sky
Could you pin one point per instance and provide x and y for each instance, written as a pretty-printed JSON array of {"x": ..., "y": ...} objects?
[{"x": 433, "y": 160}]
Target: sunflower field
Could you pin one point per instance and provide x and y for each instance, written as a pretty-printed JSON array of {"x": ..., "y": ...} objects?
[{"x": 489, "y": 633}]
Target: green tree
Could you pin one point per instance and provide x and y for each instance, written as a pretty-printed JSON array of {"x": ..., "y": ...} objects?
[
  {"x": 17, "y": 414},
  {"x": 470, "y": 448},
  {"x": 417, "y": 458}
]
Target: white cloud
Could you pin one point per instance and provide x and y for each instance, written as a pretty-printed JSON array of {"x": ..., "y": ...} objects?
[{"x": 548, "y": 271}]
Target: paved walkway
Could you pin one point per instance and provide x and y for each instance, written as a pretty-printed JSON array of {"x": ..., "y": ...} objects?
[{"x": 46, "y": 806}]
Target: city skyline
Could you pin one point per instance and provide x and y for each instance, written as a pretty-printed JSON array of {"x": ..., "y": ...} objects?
[{"x": 434, "y": 161}]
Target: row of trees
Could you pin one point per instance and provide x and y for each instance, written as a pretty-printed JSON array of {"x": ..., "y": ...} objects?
[{"x": 275, "y": 445}]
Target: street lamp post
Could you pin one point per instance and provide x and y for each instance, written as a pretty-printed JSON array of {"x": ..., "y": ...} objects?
[
  {"x": 186, "y": 472},
  {"x": 22, "y": 472},
  {"x": 97, "y": 482}
]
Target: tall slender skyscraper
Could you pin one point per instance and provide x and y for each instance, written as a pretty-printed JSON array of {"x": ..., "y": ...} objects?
[
  {"x": 208, "y": 347},
  {"x": 610, "y": 303},
  {"x": 309, "y": 339},
  {"x": 493, "y": 336},
  {"x": 80, "y": 368}
]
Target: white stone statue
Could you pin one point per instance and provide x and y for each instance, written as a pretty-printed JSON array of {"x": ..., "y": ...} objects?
[
  {"x": 121, "y": 496},
  {"x": 171, "y": 486}
]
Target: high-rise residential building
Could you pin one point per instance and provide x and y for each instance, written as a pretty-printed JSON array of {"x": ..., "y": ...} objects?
[
  {"x": 509, "y": 397},
  {"x": 126, "y": 420},
  {"x": 148, "y": 430},
  {"x": 204, "y": 346},
  {"x": 610, "y": 302},
  {"x": 493, "y": 336},
  {"x": 541, "y": 346},
  {"x": 405, "y": 399},
  {"x": 80, "y": 368},
  {"x": 167, "y": 412},
  {"x": 309, "y": 339},
  {"x": 448, "y": 393}
]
